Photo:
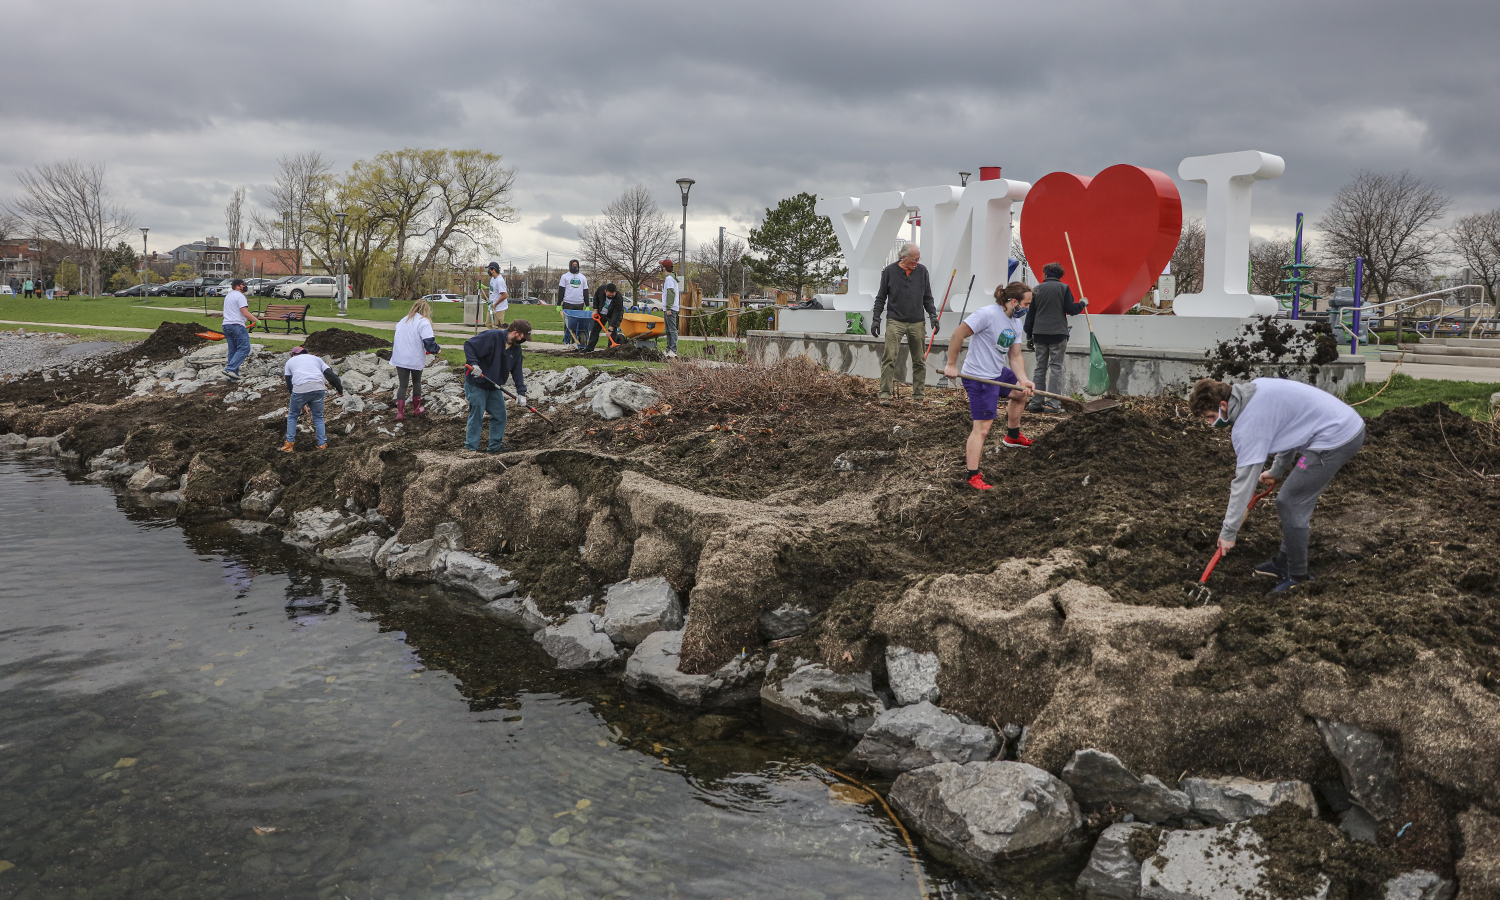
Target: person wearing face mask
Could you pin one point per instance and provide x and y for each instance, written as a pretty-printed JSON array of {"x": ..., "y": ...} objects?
[
  {"x": 1310, "y": 432},
  {"x": 995, "y": 354}
]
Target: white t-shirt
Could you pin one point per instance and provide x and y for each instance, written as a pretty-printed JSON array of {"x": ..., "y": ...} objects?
[
  {"x": 234, "y": 301},
  {"x": 670, "y": 284},
  {"x": 407, "y": 351},
  {"x": 307, "y": 373},
  {"x": 575, "y": 287},
  {"x": 497, "y": 287},
  {"x": 1287, "y": 415},
  {"x": 994, "y": 334}
]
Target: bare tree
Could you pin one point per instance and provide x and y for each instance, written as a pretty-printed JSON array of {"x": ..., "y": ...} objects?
[
  {"x": 234, "y": 215},
  {"x": 301, "y": 182},
  {"x": 1476, "y": 240},
  {"x": 1267, "y": 259},
  {"x": 719, "y": 269},
  {"x": 630, "y": 241},
  {"x": 470, "y": 196},
  {"x": 1187, "y": 259},
  {"x": 68, "y": 202},
  {"x": 366, "y": 232},
  {"x": 1387, "y": 220}
]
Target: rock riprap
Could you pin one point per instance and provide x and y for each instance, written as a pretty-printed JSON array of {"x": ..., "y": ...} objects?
[
  {"x": 920, "y": 735},
  {"x": 1367, "y": 766},
  {"x": 1098, "y": 778},
  {"x": 654, "y": 665},
  {"x": 988, "y": 811},
  {"x": 912, "y": 675},
  {"x": 633, "y": 610},
  {"x": 576, "y": 643},
  {"x": 820, "y": 697},
  {"x": 1220, "y": 801},
  {"x": 1224, "y": 863},
  {"x": 1113, "y": 871}
]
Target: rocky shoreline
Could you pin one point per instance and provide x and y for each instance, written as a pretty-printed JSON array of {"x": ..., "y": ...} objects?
[{"x": 1022, "y": 711}]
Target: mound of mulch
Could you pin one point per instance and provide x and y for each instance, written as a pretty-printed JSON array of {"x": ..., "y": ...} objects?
[
  {"x": 338, "y": 342},
  {"x": 627, "y": 352},
  {"x": 169, "y": 341},
  {"x": 1269, "y": 341}
]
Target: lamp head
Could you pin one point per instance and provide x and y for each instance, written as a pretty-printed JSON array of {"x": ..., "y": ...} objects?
[
  {"x": 685, "y": 184},
  {"x": 144, "y": 229},
  {"x": 341, "y": 216},
  {"x": 963, "y": 178}
]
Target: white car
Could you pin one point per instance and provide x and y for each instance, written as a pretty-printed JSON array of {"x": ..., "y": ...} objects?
[
  {"x": 309, "y": 286},
  {"x": 5, "y": 289},
  {"x": 444, "y": 298}
]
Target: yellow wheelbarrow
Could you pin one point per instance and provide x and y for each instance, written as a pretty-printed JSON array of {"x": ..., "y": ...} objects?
[{"x": 642, "y": 327}]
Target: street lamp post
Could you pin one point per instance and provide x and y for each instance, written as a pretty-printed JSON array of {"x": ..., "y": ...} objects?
[
  {"x": 145, "y": 265},
  {"x": 685, "y": 185},
  {"x": 343, "y": 292}
]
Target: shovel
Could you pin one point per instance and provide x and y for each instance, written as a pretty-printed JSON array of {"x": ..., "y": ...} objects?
[
  {"x": 1069, "y": 403},
  {"x": 469, "y": 369},
  {"x": 1198, "y": 590}
]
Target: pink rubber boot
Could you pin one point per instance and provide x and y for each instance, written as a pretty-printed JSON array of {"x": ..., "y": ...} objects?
[
  {"x": 400, "y": 410},
  {"x": 417, "y": 409}
]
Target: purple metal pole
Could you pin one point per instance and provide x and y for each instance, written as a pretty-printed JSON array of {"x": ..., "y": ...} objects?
[
  {"x": 1359, "y": 286},
  {"x": 1297, "y": 272}
]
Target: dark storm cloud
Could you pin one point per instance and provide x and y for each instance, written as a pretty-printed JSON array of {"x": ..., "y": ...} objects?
[{"x": 758, "y": 101}]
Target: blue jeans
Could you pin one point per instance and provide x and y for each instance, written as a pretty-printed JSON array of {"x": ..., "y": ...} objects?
[
  {"x": 480, "y": 402},
  {"x": 238, "y": 340},
  {"x": 311, "y": 399},
  {"x": 671, "y": 321}
]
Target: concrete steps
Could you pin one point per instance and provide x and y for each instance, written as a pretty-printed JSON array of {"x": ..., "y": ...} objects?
[{"x": 1425, "y": 356}]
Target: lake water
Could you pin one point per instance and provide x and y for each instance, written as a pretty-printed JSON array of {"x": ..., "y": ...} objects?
[{"x": 184, "y": 714}]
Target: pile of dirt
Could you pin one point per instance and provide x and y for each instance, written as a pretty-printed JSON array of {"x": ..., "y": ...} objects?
[
  {"x": 169, "y": 341},
  {"x": 338, "y": 342},
  {"x": 628, "y": 352},
  {"x": 1271, "y": 342}
]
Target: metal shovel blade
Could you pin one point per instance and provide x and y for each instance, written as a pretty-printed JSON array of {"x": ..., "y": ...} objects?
[{"x": 1100, "y": 405}]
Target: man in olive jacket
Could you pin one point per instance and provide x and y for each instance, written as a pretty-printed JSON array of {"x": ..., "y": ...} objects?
[{"x": 906, "y": 291}]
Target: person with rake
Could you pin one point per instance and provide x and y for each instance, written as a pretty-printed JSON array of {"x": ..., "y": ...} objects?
[
  {"x": 995, "y": 355},
  {"x": 1310, "y": 432}
]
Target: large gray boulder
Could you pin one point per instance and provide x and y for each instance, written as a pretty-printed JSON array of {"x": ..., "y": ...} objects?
[
  {"x": 606, "y": 408},
  {"x": 357, "y": 554},
  {"x": 12, "y": 441},
  {"x": 785, "y": 621},
  {"x": 403, "y": 562},
  {"x": 820, "y": 697},
  {"x": 148, "y": 480},
  {"x": 654, "y": 665},
  {"x": 632, "y": 395},
  {"x": 260, "y": 503},
  {"x": 635, "y": 609},
  {"x": 1113, "y": 871},
  {"x": 1098, "y": 778},
  {"x": 519, "y": 611},
  {"x": 575, "y": 644},
  {"x": 911, "y": 737},
  {"x": 1225, "y": 863},
  {"x": 988, "y": 811},
  {"x": 912, "y": 675},
  {"x": 477, "y": 576},
  {"x": 315, "y": 526},
  {"x": 1419, "y": 885},
  {"x": 1220, "y": 801},
  {"x": 1367, "y": 765}
]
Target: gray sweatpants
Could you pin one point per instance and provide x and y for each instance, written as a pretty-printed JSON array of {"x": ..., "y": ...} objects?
[
  {"x": 1047, "y": 374},
  {"x": 1309, "y": 476}
]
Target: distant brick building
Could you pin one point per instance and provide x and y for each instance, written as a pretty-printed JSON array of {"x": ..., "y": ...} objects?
[{"x": 20, "y": 258}]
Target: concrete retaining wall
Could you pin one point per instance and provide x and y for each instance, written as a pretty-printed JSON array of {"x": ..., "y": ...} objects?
[{"x": 1139, "y": 371}]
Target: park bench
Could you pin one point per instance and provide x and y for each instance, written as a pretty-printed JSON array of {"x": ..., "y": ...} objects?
[{"x": 285, "y": 312}]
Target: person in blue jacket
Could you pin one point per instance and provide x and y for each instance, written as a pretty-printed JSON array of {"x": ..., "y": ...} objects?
[{"x": 491, "y": 358}]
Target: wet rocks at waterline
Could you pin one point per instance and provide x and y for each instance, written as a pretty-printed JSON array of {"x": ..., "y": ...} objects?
[
  {"x": 912, "y": 737},
  {"x": 989, "y": 811}
]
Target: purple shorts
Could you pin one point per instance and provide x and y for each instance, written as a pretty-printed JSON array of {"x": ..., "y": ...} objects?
[{"x": 984, "y": 399}]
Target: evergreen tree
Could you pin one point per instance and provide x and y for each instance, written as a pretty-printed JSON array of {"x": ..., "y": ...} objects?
[{"x": 796, "y": 245}]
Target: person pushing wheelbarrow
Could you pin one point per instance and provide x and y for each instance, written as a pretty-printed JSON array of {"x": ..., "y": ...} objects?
[{"x": 1310, "y": 432}]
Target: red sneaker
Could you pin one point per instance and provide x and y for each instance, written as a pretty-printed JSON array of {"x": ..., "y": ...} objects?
[
  {"x": 1020, "y": 440},
  {"x": 977, "y": 482}
]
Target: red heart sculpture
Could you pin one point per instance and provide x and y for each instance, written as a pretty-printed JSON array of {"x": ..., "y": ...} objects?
[{"x": 1124, "y": 223}]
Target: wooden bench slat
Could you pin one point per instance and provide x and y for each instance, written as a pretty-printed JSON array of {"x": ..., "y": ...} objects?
[{"x": 288, "y": 313}]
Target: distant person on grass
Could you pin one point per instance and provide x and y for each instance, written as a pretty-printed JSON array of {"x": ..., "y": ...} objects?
[
  {"x": 1047, "y": 326},
  {"x": 413, "y": 341},
  {"x": 995, "y": 354},
  {"x": 492, "y": 357},
  {"x": 305, "y": 375},
  {"x": 237, "y": 316},
  {"x": 498, "y": 296},
  {"x": 1310, "y": 432},
  {"x": 671, "y": 304},
  {"x": 30, "y": 288},
  {"x": 906, "y": 293}
]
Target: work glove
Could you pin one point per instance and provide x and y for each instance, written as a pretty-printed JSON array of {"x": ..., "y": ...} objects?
[
  {"x": 521, "y": 400},
  {"x": 934, "y": 321},
  {"x": 875, "y": 328}
]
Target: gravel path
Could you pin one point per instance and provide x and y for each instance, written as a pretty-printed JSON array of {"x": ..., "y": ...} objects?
[{"x": 28, "y": 351}]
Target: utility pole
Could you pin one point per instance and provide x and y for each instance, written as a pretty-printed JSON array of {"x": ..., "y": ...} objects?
[
  {"x": 342, "y": 293},
  {"x": 723, "y": 282},
  {"x": 145, "y": 266}
]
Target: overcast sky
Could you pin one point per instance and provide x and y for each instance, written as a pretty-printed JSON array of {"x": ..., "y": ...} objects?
[{"x": 756, "y": 101}]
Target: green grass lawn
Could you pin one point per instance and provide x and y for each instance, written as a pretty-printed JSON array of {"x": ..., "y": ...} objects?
[{"x": 1471, "y": 398}]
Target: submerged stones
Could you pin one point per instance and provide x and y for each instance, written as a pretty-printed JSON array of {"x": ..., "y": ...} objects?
[
  {"x": 634, "y": 610},
  {"x": 1098, "y": 778},
  {"x": 520, "y": 611},
  {"x": 818, "y": 696},
  {"x": 912, "y": 675},
  {"x": 654, "y": 665},
  {"x": 912, "y": 737},
  {"x": 1220, "y": 801},
  {"x": 988, "y": 811}
]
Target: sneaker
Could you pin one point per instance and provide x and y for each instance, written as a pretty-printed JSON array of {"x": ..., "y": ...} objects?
[
  {"x": 287, "y": 447},
  {"x": 503, "y": 448},
  {"x": 977, "y": 482},
  {"x": 1271, "y": 568},
  {"x": 232, "y": 376},
  {"x": 1289, "y": 582},
  {"x": 671, "y": 354},
  {"x": 1021, "y": 441}
]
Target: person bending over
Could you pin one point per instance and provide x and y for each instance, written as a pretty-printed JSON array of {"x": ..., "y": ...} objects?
[
  {"x": 995, "y": 354},
  {"x": 1310, "y": 432},
  {"x": 305, "y": 375}
]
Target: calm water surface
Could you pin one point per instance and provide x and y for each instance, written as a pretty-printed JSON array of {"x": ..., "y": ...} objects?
[{"x": 184, "y": 714}]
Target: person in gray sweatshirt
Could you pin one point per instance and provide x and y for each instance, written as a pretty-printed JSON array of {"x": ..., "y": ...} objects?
[{"x": 1310, "y": 432}]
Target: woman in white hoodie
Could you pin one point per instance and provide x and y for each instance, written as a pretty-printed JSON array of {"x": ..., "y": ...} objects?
[{"x": 414, "y": 340}]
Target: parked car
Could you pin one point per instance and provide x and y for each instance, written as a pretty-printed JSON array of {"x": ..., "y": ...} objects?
[
  {"x": 309, "y": 286},
  {"x": 444, "y": 298},
  {"x": 136, "y": 290},
  {"x": 218, "y": 290},
  {"x": 267, "y": 288}
]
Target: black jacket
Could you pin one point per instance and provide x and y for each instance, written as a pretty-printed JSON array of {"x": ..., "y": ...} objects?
[
  {"x": 489, "y": 351},
  {"x": 908, "y": 295},
  {"x": 1051, "y": 303},
  {"x": 612, "y": 311}
]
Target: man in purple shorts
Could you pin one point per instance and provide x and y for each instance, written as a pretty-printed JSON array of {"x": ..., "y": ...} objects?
[{"x": 995, "y": 353}]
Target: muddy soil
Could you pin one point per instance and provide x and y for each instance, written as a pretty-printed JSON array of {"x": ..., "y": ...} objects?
[
  {"x": 338, "y": 342},
  {"x": 1269, "y": 342}
]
